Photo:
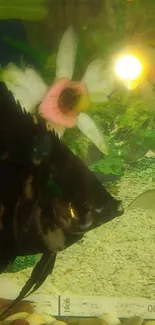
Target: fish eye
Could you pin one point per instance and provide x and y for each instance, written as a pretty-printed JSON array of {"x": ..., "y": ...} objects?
[{"x": 72, "y": 212}]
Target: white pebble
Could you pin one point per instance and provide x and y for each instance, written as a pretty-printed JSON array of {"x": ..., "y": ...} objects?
[
  {"x": 110, "y": 318},
  {"x": 48, "y": 318},
  {"x": 21, "y": 315},
  {"x": 37, "y": 319}
]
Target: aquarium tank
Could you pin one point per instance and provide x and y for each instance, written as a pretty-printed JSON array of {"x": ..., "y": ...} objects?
[{"x": 77, "y": 162}]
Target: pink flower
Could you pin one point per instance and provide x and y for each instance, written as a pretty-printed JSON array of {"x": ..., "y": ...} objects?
[{"x": 63, "y": 102}]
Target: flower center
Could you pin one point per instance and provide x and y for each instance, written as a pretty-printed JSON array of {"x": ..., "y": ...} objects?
[{"x": 68, "y": 99}]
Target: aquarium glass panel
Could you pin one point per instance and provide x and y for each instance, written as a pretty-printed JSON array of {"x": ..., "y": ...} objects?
[{"x": 77, "y": 160}]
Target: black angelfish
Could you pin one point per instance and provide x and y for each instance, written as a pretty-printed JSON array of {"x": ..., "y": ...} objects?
[{"x": 48, "y": 196}]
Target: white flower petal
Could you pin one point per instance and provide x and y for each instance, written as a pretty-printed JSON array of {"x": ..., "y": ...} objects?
[
  {"x": 13, "y": 74},
  {"x": 99, "y": 81},
  {"x": 21, "y": 95},
  {"x": 16, "y": 81},
  {"x": 89, "y": 128},
  {"x": 38, "y": 88},
  {"x": 60, "y": 130},
  {"x": 27, "y": 86},
  {"x": 66, "y": 55}
]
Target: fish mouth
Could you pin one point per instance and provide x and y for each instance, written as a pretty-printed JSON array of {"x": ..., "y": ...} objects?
[
  {"x": 109, "y": 212},
  {"x": 102, "y": 215},
  {"x": 96, "y": 217}
]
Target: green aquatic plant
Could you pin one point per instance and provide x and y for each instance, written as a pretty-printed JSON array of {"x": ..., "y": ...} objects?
[
  {"x": 123, "y": 117},
  {"x": 45, "y": 61},
  {"x": 77, "y": 142},
  {"x": 113, "y": 164},
  {"x": 28, "y": 10},
  {"x": 90, "y": 87},
  {"x": 39, "y": 56},
  {"x": 21, "y": 263},
  {"x": 136, "y": 15},
  {"x": 129, "y": 124}
]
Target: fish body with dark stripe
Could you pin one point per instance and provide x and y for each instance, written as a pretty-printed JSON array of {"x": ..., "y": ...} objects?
[{"x": 48, "y": 197}]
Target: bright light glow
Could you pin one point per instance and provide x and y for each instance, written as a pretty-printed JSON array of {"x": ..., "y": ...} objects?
[{"x": 128, "y": 67}]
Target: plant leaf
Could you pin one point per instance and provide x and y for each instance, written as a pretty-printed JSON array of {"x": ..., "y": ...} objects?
[
  {"x": 39, "y": 56},
  {"x": 27, "y": 11},
  {"x": 24, "y": 2}
]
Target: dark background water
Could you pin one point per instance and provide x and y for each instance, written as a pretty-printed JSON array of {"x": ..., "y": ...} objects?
[{"x": 14, "y": 29}]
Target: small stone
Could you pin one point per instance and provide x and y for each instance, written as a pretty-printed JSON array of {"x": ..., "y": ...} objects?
[
  {"x": 109, "y": 318},
  {"x": 5, "y": 302},
  {"x": 37, "y": 319},
  {"x": 19, "y": 322},
  {"x": 22, "y": 306},
  {"x": 7, "y": 322},
  {"x": 25, "y": 307},
  {"x": 48, "y": 318},
  {"x": 135, "y": 320},
  {"x": 2, "y": 309},
  {"x": 21, "y": 315}
]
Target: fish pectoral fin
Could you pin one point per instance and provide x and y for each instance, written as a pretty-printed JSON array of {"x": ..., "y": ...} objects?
[
  {"x": 39, "y": 274},
  {"x": 144, "y": 201}
]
